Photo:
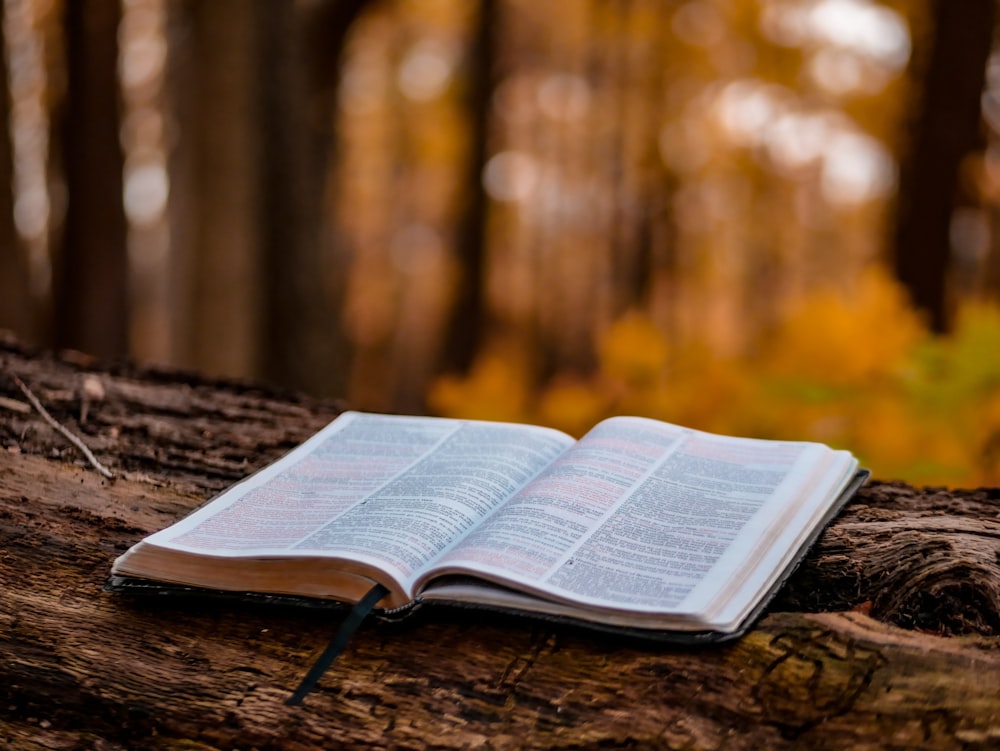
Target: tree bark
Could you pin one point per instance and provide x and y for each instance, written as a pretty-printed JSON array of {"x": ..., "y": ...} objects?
[{"x": 887, "y": 637}]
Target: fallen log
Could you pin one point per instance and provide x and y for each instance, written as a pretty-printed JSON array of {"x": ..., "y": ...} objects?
[{"x": 887, "y": 637}]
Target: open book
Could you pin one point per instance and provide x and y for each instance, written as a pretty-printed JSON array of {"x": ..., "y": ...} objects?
[{"x": 640, "y": 525}]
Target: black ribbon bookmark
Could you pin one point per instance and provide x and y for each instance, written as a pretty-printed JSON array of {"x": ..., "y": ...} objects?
[{"x": 354, "y": 619}]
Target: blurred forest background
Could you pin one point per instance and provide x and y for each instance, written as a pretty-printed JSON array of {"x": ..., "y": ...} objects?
[{"x": 768, "y": 217}]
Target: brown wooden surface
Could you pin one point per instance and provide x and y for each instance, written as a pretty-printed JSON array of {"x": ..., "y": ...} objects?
[{"x": 887, "y": 637}]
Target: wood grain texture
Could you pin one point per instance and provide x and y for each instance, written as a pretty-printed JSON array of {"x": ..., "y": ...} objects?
[{"x": 886, "y": 638}]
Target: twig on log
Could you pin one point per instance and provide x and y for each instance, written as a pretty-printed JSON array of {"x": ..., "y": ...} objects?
[
  {"x": 14, "y": 405},
  {"x": 75, "y": 440}
]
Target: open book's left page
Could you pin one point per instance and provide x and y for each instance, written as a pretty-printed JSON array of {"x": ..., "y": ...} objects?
[{"x": 372, "y": 495}]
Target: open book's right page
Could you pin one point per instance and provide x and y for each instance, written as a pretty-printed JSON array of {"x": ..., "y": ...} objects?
[{"x": 664, "y": 526}]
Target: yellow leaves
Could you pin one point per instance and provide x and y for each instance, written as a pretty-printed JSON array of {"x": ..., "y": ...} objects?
[
  {"x": 898, "y": 443},
  {"x": 572, "y": 406},
  {"x": 633, "y": 350},
  {"x": 495, "y": 389},
  {"x": 974, "y": 350},
  {"x": 840, "y": 339},
  {"x": 856, "y": 371},
  {"x": 986, "y": 439}
]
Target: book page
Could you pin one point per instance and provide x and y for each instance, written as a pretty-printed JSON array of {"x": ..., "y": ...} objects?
[
  {"x": 635, "y": 516},
  {"x": 388, "y": 491},
  {"x": 778, "y": 541}
]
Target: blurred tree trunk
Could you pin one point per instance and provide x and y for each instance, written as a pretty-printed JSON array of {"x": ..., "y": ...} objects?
[
  {"x": 638, "y": 68},
  {"x": 254, "y": 89},
  {"x": 90, "y": 268},
  {"x": 16, "y": 307},
  {"x": 947, "y": 128},
  {"x": 303, "y": 344},
  {"x": 179, "y": 108},
  {"x": 468, "y": 319},
  {"x": 990, "y": 283},
  {"x": 218, "y": 184}
]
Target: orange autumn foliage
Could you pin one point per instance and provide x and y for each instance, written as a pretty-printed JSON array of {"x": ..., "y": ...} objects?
[{"x": 854, "y": 369}]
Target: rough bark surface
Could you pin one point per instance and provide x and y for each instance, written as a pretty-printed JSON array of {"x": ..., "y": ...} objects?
[{"x": 887, "y": 637}]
